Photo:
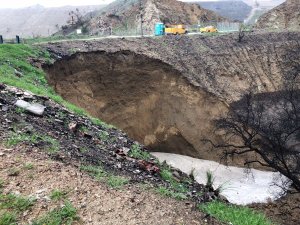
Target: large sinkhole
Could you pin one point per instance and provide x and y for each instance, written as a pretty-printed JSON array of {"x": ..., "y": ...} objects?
[{"x": 145, "y": 97}]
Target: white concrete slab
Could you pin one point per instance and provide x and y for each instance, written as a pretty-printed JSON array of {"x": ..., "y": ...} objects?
[{"x": 240, "y": 187}]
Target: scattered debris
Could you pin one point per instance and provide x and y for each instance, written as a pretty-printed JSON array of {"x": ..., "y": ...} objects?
[
  {"x": 150, "y": 167},
  {"x": 34, "y": 108}
]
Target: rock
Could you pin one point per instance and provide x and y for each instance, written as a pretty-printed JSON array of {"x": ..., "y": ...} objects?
[
  {"x": 27, "y": 95},
  {"x": 2, "y": 86},
  {"x": 58, "y": 121},
  {"x": 176, "y": 174},
  {"x": 136, "y": 171},
  {"x": 34, "y": 108},
  {"x": 126, "y": 150},
  {"x": 73, "y": 126},
  {"x": 40, "y": 191},
  {"x": 4, "y": 108},
  {"x": 18, "y": 73}
]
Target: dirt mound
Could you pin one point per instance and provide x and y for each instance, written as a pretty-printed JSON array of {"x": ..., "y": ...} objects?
[
  {"x": 124, "y": 16},
  {"x": 284, "y": 16}
]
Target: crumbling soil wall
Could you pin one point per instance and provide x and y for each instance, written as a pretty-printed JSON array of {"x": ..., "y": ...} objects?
[
  {"x": 145, "y": 97},
  {"x": 166, "y": 91}
]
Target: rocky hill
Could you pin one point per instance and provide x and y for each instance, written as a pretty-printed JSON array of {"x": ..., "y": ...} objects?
[
  {"x": 124, "y": 15},
  {"x": 234, "y": 10},
  {"x": 285, "y": 16},
  {"x": 37, "y": 20}
]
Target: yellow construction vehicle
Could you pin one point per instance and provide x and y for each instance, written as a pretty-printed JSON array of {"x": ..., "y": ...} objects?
[
  {"x": 208, "y": 29},
  {"x": 175, "y": 29}
]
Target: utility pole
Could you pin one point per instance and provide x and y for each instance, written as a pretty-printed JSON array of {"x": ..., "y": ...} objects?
[{"x": 141, "y": 18}]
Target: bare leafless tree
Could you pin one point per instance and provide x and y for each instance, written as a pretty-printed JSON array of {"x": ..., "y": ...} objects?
[
  {"x": 241, "y": 32},
  {"x": 76, "y": 18},
  {"x": 266, "y": 124}
]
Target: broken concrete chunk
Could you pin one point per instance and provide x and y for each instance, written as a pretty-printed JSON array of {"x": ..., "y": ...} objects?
[
  {"x": 18, "y": 73},
  {"x": 34, "y": 108}
]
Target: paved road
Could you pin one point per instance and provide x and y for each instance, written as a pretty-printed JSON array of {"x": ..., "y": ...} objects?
[{"x": 114, "y": 37}]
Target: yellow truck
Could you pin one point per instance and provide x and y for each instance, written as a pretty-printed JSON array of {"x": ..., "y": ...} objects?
[
  {"x": 209, "y": 29},
  {"x": 175, "y": 29}
]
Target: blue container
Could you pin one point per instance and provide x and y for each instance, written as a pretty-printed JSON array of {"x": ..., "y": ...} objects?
[{"x": 159, "y": 29}]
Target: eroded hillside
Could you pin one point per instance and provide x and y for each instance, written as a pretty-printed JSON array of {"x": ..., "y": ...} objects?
[
  {"x": 284, "y": 16},
  {"x": 165, "y": 92},
  {"x": 125, "y": 15}
]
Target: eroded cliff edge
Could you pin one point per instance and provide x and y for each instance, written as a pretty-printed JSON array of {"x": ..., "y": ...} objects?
[{"x": 165, "y": 92}]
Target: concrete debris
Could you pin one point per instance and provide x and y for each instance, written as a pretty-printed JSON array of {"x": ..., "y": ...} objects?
[
  {"x": 18, "y": 73},
  {"x": 73, "y": 126},
  {"x": 34, "y": 108}
]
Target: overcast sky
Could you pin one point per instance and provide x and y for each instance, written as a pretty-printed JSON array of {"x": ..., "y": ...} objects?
[{"x": 55, "y": 3}]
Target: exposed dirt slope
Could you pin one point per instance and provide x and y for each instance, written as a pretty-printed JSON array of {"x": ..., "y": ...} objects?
[
  {"x": 97, "y": 204},
  {"x": 124, "y": 15},
  {"x": 165, "y": 92},
  {"x": 82, "y": 147},
  {"x": 284, "y": 16}
]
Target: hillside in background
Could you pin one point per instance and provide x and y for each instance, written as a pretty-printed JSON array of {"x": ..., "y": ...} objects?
[
  {"x": 284, "y": 16},
  {"x": 37, "y": 20},
  {"x": 264, "y": 3},
  {"x": 124, "y": 15},
  {"x": 235, "y": 10}
]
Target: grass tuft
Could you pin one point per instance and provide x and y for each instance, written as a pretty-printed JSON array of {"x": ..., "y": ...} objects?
[
  {"x": 116, "y": 181},
  {"x": 137, "y": 153},
  {"x": 8, "y": 218},
  {"x": 28, "y": 166},
  {"x": 166, "y": 174},
  {"x": 33, "y": 138},
  {"x": 172, "y": 194},
  {"x": 100, "y": 174},
  {"x": 236, "y": 215},
  {"x": 15, "y": 203},
  {"x": 65, "y": 215},
  {"x": 57, "y": 195},
  {"x": 95, "y": 171}
]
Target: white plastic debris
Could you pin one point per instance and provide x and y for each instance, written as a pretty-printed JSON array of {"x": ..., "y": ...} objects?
[{"x": 34, "y": 108}]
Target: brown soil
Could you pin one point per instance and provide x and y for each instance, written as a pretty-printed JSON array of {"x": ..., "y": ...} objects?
[
  {"x": 135, "y": 203},
  {"x": 166, "y": 92},
  {"x": 96, "y": 202},
  {"x": 142, "y": 96},
  {"x": 285, "y": 211}
]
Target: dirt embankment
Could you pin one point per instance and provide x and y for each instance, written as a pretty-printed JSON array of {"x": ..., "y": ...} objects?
[{"x": 165, "y": 92}]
